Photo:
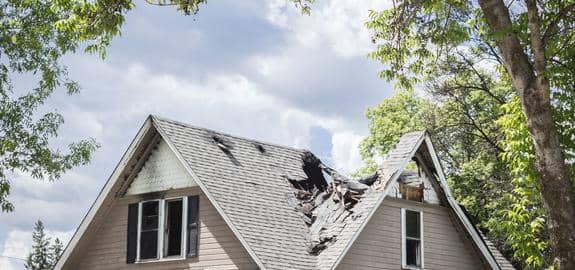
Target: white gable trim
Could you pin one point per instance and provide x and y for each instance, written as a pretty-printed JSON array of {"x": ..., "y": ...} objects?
[
  {"x": 110, "y": 183},
  {"x": 443, "y": 185},
  {"x": 210, "y": 197}
]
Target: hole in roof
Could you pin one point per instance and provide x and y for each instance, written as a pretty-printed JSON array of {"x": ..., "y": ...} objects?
[
  {"x": 260, "y": 148},
  {"x": 226, "y": 146},
  {"x": 222, "y": 142},
  {"x": 413, "y": 167}
]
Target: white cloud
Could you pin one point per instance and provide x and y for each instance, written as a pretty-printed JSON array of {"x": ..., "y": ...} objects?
[
  {"x": 18, "y": 245},
  {"x": 212, "y": 100},
  {"x": 10, "y": 264},
  {"x": 334, "y": 24},
  {"x": 58, "y": 204},
  {"x": 345, "y": 151}
]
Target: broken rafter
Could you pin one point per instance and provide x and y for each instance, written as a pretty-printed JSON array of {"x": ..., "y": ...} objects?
[{"x": 325, "y": 205}]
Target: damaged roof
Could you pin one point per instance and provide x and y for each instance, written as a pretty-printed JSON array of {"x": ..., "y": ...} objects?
[
  {"x": 252, "y": 188},
  {"x": 251, "y": 191},
  {"x": 288, "y": 209}
]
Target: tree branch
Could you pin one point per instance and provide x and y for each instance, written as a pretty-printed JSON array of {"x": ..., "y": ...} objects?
[
  {"x": 554, "y": 25},
  {"x": 484, "y": 87},
  {"x": 473, "y": 123},
  {"x": 537, "y": 46}
]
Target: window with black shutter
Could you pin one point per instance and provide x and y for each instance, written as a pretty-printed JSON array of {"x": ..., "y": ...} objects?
[{"x": 162, "y": 229}]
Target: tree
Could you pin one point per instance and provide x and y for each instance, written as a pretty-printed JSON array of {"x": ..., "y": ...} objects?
[
  {"x": 31, "y": 47},
  {"x": 44, "y": 254},
  {"x": 533, "y": 41}
]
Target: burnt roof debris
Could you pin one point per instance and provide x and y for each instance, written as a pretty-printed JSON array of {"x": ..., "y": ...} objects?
[
  {"x": 312, "y": 167},
  {"x": 370, "y": 179},
  {"x": 324, "y": 207}
]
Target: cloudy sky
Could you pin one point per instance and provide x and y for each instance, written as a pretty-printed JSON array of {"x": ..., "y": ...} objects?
[{"x": 255, "y": 68}]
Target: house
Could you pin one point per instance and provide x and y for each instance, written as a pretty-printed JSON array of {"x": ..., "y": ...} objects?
[{"x": 184, "y": 197}]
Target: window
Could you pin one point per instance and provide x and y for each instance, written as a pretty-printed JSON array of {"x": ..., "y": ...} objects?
[
  {"x": 149, "y": 227},
  {"x": 173, "y": 232},
  {"x": 162, "y": 229},
  {"x": 411, "y": 239}
]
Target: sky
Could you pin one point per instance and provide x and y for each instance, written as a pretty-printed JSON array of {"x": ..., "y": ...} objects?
[{"x": 254, "y": 68}]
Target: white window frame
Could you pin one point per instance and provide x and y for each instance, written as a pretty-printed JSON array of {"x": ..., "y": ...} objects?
[
  {"x": 404, "y": 237},
  {"x": 161, "y": 230}
]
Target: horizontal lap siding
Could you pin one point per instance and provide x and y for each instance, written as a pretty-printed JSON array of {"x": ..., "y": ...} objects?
[
  {"x": 218, "y": 248},
  {"x": 379, "y": 245}
]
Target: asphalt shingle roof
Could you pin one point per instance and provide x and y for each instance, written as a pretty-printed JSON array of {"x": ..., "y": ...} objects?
[
  {"x": 250, "y": 190},
  {"x": 246, "y": 179}
]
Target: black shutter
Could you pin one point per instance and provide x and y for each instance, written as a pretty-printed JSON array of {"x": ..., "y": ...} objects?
[
  {"x": 132, "y": 241},
  {"x": 193, "y": 210}
]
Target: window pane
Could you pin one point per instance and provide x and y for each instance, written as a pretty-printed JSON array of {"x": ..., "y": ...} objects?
[
  {"x": 412, "y": 224},
  {"x": 173, "y": 233},
  {"x": 149, "y": 230},
  {"x": 150, "y": 216},
  {"x": 149, "y": 245},
  {"x": 413, "y": 252}
]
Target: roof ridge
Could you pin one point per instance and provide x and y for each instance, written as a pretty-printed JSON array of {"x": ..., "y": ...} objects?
[{"x": 188, "y": 125}]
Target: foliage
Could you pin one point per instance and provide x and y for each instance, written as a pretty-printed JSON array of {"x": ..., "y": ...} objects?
[
  {"x": 462, "y": 127},
  {"x": 98, "y": 22},
  {"x": 44, "y": 254},
  {"x": 447, "y": 48},
  {"x": 402, "y": 113},
  {"x": 31, "y": 48},
  {"x": 522, "y": 224}
]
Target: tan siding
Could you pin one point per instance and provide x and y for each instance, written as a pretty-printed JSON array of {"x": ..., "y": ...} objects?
[
  {"x": 379, "y": 245},
  {"x": 218, "y": 247}
]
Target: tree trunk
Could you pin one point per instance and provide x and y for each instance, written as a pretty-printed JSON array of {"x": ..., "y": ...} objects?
[{"x": 533, "y": 90}]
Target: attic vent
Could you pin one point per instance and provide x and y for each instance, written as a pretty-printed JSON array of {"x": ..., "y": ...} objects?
[{"x": 260, "y": 148}]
